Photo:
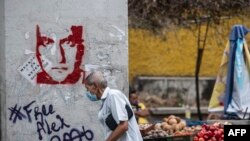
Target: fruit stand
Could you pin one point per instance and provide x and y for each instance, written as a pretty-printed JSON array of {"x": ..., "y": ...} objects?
[{"x": 173, "y": 128}]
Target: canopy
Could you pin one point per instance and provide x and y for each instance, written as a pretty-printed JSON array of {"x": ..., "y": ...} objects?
[{"x": 231, "y": 92}]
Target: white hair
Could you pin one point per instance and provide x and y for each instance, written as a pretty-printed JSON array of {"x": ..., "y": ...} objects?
[{"x": 96, "y": 78}]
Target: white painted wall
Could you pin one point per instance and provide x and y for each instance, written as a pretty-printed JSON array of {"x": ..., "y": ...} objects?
[
  {"x": 106, "y": 48},
  {"x": 2, "y": 67}
]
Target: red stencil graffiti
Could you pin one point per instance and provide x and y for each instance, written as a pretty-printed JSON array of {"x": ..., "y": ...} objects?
[{"x": 65, "y": 53}]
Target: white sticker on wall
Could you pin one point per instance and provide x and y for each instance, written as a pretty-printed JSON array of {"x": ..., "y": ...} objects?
[{"x": 31, "y": 67}]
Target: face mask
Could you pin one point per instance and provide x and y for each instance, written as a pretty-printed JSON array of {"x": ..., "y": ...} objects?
[{"x": 91, "y": 96}]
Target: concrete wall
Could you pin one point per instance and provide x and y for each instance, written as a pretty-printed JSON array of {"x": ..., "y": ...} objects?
[
  {"x": 174, "y": 91},
  {"x": 38, "y": 110},
  {"x": 2, "y": 66}
]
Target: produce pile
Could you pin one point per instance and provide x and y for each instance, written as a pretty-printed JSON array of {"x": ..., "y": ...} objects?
[
  {"x": 214, "y": 132},
  {"x": 171, "y": 126}
]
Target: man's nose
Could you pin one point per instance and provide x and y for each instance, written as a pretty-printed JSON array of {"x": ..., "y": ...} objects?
[{"x": 61, "y": 53}]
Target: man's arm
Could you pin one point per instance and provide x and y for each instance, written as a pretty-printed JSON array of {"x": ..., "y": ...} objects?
[
  {"x": 119, "y": 131},
  {"x": 142, "y": 113}
]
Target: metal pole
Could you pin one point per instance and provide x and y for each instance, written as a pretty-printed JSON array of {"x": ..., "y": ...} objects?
[{"x": 200, "y": 50}]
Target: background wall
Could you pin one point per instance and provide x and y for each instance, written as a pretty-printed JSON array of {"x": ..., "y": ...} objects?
[
  {"x": 174, "y": 53},
  {"x": 162, "y": 65},
  {"x": 174, "y": 91},
  {"x": 56, "y": 112}
]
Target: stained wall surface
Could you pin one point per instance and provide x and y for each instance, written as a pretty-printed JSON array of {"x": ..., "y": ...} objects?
[
  {"x": 174, "y": 53},
  {"x": 47, "y": 47}
]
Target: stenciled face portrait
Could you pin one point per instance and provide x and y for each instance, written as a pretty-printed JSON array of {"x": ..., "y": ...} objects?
[{"x": 65, "y": 54}]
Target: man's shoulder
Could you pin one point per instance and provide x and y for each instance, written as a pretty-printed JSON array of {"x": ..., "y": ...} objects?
[{"x": 114, "y": 92}]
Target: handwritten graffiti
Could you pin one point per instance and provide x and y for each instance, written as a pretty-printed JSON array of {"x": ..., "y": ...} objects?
[
  {"x": 16, "y": 114},
  {"x": 44, "y": 127},
  {"x": 75, "y": 134},
  {"x": 64, "y": 70}
]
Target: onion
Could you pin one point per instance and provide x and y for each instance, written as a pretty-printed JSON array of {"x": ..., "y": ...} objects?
[
  {"x": 171, "y": 116},
  {"x": 172, "y": 121},
  {"x": 182, "y": 124},
  {"x": 166, "y": 127},
  {"x": 165, "y": 119},
  {"x": 158, "y": 126},
  {"x": 178, "y": 127}
]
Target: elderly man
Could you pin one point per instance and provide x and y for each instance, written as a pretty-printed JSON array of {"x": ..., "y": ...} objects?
[{"x": 115, "y": 113}]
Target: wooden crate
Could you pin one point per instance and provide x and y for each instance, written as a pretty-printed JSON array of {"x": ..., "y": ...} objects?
[
  {"x": 180, "y": 138},
  {"x": 173, "y": 138}
]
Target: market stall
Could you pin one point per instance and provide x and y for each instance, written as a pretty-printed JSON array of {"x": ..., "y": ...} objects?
[
  {"x": 170, "y": 129},
  {"x": 173, "y": 128}
]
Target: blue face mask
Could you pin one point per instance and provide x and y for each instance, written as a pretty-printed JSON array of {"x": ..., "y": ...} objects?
[{"x": 91, "y": 96}]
